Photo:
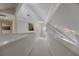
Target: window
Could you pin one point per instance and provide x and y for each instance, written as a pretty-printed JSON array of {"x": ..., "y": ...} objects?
[{"x": 30, "y": 27}]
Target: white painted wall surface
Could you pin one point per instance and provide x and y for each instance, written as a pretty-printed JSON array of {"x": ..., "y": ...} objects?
[
  {"x": 21, "y": 26},
  {"x": 67, "y": 15}
]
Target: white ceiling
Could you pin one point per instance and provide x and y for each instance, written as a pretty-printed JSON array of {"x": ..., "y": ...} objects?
[
  {"x": 41, "y": 9},
  {"x": 37, "y": 11}
]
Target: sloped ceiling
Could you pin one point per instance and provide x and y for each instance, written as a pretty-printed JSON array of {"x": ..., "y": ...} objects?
[
  {"x": 67, "y": 15},
  {"x": 24, "y": 11},
  {"x": 37, "y": 11},
  {"x": 41, "y": 9}
]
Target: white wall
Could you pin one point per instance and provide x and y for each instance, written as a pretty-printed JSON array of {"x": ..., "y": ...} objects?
[
  {"x": 22, "y": 26},
  {"x": 42, "y": 9},
  {"x": 67, "y": 15}
]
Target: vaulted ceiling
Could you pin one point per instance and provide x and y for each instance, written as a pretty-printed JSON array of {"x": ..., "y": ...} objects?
[
  {"x": 36, "y": 11},
  {"x": 26, "y": 11}
]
